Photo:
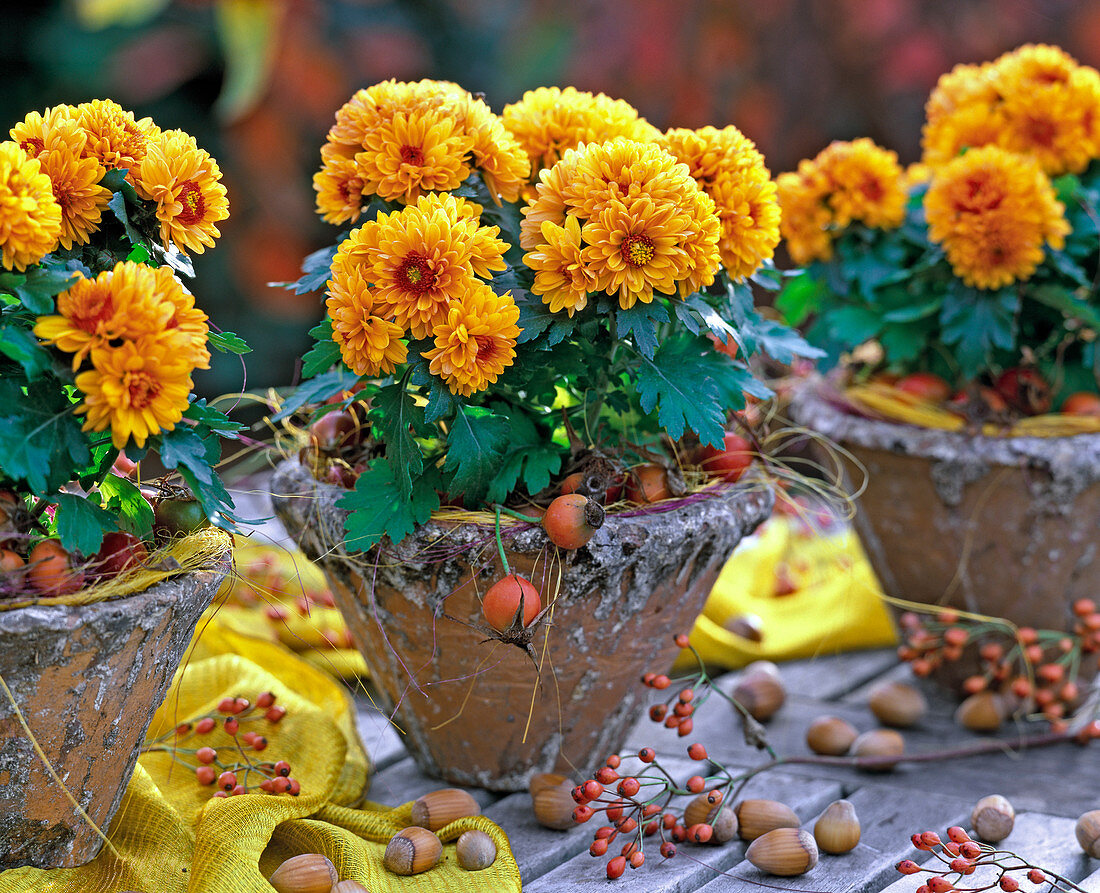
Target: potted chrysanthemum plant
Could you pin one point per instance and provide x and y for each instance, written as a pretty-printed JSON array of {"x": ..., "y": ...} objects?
[
  {"x": 961, "y": 296},
  {"x": 99, "y": 340},
  {"x": 523, "y": 395}
]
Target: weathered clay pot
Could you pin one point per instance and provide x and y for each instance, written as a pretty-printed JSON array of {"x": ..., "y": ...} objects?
[
  {"x": 1003, "y": 526},
  {"x": 87, "y": 680},
  {"x": 464, "y": 703}
]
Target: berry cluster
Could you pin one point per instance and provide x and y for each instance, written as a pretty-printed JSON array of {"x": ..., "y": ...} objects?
[
  {"x": 1039, "y": 668},
  {"x": 959, "y": 856},
  {"x": 232, "y": 769},
  {"x": 639, "y": 806}
]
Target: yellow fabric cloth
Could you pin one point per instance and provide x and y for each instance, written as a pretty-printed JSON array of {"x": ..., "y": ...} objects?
[
  {"x": 834, "y": 604},
  {"x": 171, "y": 836}
]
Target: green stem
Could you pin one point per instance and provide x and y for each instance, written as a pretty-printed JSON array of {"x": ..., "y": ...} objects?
[
  {"x": 503, "y": 510},
  {"x": 500, "y": 547}
]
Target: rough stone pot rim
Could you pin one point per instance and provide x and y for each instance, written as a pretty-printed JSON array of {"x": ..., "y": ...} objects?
[{"x": 813, "y": 405}]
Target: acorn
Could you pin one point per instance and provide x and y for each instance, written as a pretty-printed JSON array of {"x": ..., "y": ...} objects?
[
  {"x": 756, "y": 817},
  {"x": 412, "y": 850},
  {"x": 879, "y": 743},
  {"x": 831, "y": 736},
  {"x": 1088, "y": 833},
  {"x": 992, "y": 818},
  {"x": 784, "y": 852},
  {"x": 760, "y": 692},
  {"x": 981, "y": 712},
  {"x": 747, "y": 626},
  {"x": 476, "y": 850},
  {"x": 439, "y": 808},
  {"x": 721, "y": 818},
  {"x": 542, "y": 780},
  {"x": 837, "y": 830},
  {"x": 897, "y": 704},
  {"x": 349, "y": 887},
  {"x": 554, "y": 807},
  {"x": 307, "y": 873}
]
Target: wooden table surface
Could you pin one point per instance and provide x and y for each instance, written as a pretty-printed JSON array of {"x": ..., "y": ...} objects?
[{"x": 1048, "y": 787}]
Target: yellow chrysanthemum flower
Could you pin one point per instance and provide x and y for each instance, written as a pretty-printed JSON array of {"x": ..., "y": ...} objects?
[
  {"x": 727, "y": 165},
  {"x": 993, "y": 211},
  {"x": 475, "y": 341},
  {"x": 866, "y": 183},
  {"x": 497, "y": 153},
  {"x": 58, "y": 141},
  {"x": 561, "y": 276},
  {"x": 969, "y": 126},
  {"x": 124, "y": 303},
  {"x": 422, "y": 258},
  {"x": 550, "y": 120},
  {"x": 369, "y": 344},
  {"x": 415, "y": 152},
  {"x": 115, "y": 138},
  {"x": 187, "y": 324},
  {"x": 185, "y": 182},
  {"x": 339, "y": 185},
  {"x": 136, "y": 389},
  {"x": 549, "y": 201},
  {"x": 805, "y": 218},
  {"x": 30, "y": 217}
]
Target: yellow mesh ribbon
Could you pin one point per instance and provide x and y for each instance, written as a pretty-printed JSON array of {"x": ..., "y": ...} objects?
[
  {"x": 172, "y": 837},
  {"x": 885, "y": 402},
  {"x": 836, "y": 604}
]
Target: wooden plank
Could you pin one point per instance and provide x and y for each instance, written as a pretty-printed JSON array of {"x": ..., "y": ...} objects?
[
  {"x": 1044, "y": 840},
  {"x": 832, "y": 677},
  {"x": 696, "y": 864},
  {"x": 385, "y": 745},
  {"x": 1091, "y": 884},
  {"x": 403, "y": 781},
  {"x": 887, "y": 821}
]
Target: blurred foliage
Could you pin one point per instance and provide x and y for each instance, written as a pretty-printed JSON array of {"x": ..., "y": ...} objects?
[{"x": 258, "y": 81}]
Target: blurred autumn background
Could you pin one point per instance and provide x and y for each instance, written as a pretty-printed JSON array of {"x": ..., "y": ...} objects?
[{"x": 258, "y": 82}]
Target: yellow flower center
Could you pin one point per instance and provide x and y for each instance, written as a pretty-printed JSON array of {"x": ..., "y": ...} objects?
[
  {"x": 637, "y": 250},
  {"x": 194, "y": 205},
  {"x": 416, "y": 274},
  {"x": 32, "y": 145}
]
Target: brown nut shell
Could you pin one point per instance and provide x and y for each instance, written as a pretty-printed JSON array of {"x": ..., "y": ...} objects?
[
  {"x": 724, "y": 822},
  {"x": 879, "y": 743},
  {"x": 837, "y": 830},
  {"x": 761, "y": 694},
  {"x": 476, "y": 850},
  {"x": 831, "y": 736},
  {"x": 784, "y": 852},
  {"x": 412, "y": 850},
  {"x": 542, "y": 780},
  {"x": 554, "y": 807},
  {"x": 981, "y": 712},
  {"x": 1088, "y": 833},
  {"x": 757, "y": 817},
  {"x": 349, "y": 887},
  {"x": 897, "y": 704},
  {"x": 307, "y": 873},
  {"x": 992, "y": 818},
  {"x": 439, "y": 808}
]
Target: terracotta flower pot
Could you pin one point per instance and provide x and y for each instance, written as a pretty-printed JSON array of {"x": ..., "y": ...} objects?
[
  {"x": 1003, "y": 526},
  {"x": 477, "y": 712},
  {"x": 87, "y": 680}
]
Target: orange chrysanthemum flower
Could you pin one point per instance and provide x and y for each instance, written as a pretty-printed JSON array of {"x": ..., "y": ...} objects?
[
  {"x": 339, "y": 185},
  {"x": 126, "y": 303},
  {"x": 369, "y": 344},
  {"x": 422, "y": 258},
  {"x": 30, "y": 217},
  {"x": 476, "y": 340},
  {"x": 993, "y": 212},
  {"x": 185, "y": 182},
  {"x": 561, "y": 276},
  {"x": 497, "y": 153},
  {"x": 727, "y": 165},
  {"x": 1035, "y": 100},
  {"x": 805, "y": 218},
  {"x": 548, "y": 203},
  {"x": 136, "y": 389},
  {"x": 418, "y": 151},
  {"x": 58, "y": 142},
  {"x": 115, "y": 138},
  {"x": 548, "y": 121}
]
